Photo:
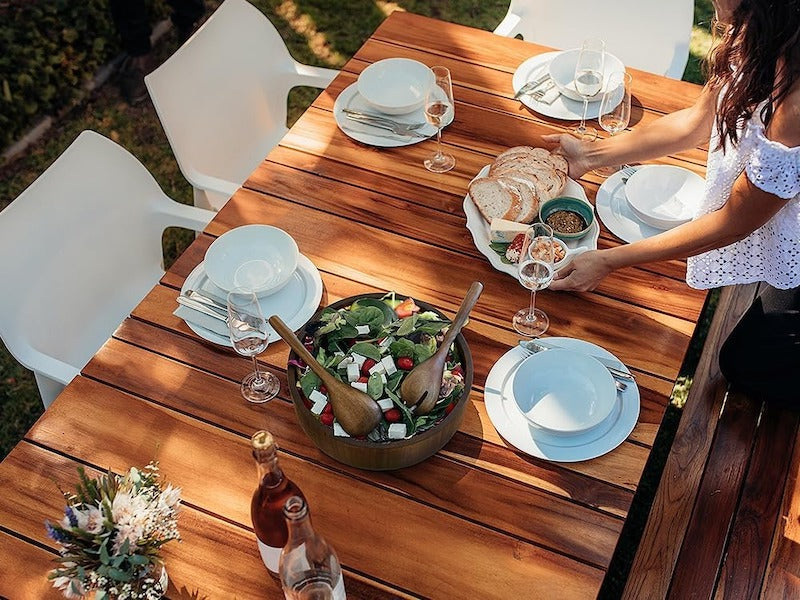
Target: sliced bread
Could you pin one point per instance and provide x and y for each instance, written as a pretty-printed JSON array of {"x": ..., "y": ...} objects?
[{"x": 495, "y": 198}]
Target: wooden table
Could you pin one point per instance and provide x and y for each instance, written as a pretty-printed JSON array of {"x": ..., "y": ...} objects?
[{"x": 479, "y": 519}]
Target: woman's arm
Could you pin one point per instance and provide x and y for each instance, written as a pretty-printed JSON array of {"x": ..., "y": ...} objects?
[{"x": 671, "y": 133}]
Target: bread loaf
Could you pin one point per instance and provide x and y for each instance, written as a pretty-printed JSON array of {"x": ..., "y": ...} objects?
[{"x": 519, "y": 179}]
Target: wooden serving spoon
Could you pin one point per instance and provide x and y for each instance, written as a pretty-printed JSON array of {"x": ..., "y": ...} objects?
[
  {"x": 421, "y": 386},
  {"x": 356, "y": 411}
]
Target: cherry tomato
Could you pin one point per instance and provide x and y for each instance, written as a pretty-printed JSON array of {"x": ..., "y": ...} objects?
[
  {"x": 328, "y": 410},
  {"x": 368, "y": 364},
  {"x": 363, "y": 379},
  {"x": 326, "y": 419},
  {"x": 457, "y": 370},
  {"x": 393, "y": 415},
  {"x": 323, "y": 390},
  {"x": 405, "y": 362},
  {"x": 449, "y": 408}
]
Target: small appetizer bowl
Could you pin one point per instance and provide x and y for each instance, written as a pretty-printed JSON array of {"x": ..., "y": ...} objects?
[{"x": 569, "y": 217}]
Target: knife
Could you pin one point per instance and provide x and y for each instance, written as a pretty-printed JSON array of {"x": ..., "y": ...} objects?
[
  {"x": 202, "y": 308},
  {"x": 612, "y": 365},
  {"x": 531, "y": 85}
]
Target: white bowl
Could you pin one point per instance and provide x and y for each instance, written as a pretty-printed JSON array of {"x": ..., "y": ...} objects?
[
  {"x": 664, "y": 196},
  {"x": 564, "y": 392},
  {"x": 261, "y": 258},
  {"x": 395, "y": 86},
  {"x": 562, "y": 72}
]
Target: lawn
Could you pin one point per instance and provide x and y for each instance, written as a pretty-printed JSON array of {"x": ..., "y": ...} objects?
[{"x": 321, "y": 32}]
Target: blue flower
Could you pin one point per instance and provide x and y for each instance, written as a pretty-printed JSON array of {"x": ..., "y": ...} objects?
[
  {"x": 54, "y": 533},
  {"x": 73, "y": 520}
]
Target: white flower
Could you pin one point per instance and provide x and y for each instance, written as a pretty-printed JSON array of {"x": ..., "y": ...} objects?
[
  {"x": 170, "y": 498},
  {"x": 132, "y": 533},
  {"x": 94, "y": 520},
  {"x": 122, "y": 508},
  {"x": 71, "y": 588}
]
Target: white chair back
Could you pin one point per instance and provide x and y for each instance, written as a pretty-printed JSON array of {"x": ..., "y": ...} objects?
[
  {"x": 221, "y": 98},
  {"x": 81, "y": 247},
  {"x": 651, "y": 35}
]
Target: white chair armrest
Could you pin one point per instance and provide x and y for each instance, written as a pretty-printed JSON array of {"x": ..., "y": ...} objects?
[
  {"x": 209, "y": 182},
  {"x": 318, "y": 77},
  {"x": 508, "y": 25},
  {"x": 183, "y": 215},
  {"x": 47, "y": 365}
]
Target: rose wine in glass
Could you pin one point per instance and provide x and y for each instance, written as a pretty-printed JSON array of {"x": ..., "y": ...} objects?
[
  {"x": 439, "y": 106},
  {"x": 535, "y": 272},
  {"x": 615, "y": 110},
  {"x": 249, "y": 336},
  {"x": 589, "y": 80}
]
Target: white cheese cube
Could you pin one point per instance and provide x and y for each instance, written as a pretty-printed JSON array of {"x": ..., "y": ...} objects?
[
  {"x": 383, "y": 378},
  {"x": 358, "y": 359},
  {"x": 353, "y": 372},
  {"x": 338, "y": 353},
  {"x": 505, "y": 231},
  {"x": 377, "y": 368},
  {"x": 386, "y": 342},
  {"x": 359, "y": 385},
  {"x": 339, "y": 431},
  {"x": 388, "y": 365},
  {"x": 385, "y": 404},
  {"x": 362, "y": 329},
  {"x": 397, "y": 431},
  {"x": 344, "y": 362},
  {"x": 318, "y": 406},
  {"x": 317, "y": 396}
]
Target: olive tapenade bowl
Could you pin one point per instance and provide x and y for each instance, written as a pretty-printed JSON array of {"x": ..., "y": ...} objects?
[
  {"x": 549, "y": 209},
  {"x": 379, "y": 456}
]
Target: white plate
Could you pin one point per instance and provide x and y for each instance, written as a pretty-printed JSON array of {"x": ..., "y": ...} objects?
[
  {"x": 295, "y": 303},
  {"x": 562, "y": 107},
  {"x": 612, "y": 208},
  {"x": 664, "y": 196},
  {"x": 481, "y": 230},
  {"x": 350, "y": 98},
  {"x": 562, "y": 71},
  {"x": 514, "y": 428}
]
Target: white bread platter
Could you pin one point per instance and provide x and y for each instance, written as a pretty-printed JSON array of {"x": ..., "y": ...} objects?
[{"x": 481, "y": 232}]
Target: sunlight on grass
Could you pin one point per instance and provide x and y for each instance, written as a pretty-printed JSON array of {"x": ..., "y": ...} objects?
[
  {"x": 304, "y": 25},
  {"x": 387, "y": 8},
  {"x": 701, "y": 41}
]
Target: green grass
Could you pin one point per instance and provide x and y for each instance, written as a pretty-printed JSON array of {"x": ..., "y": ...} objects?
[{"x": 321, "y": 32}]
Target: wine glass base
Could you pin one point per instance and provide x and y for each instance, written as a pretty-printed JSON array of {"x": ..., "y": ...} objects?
[
  {"x": 261, "y": 391},
  {"x": 586, "y": 134},
  {"x": 606, "y": 171},
  {"x": 440, "y": 163},
  {"x": 531, "y": 327}
]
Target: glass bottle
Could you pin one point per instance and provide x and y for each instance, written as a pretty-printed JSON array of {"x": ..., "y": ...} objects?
[
  {"x": 310, "y": 569},
  {"x": 266, "y": 507}
]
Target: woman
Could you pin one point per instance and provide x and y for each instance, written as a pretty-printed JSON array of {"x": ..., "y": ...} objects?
[{"x": 749, "y": 224}]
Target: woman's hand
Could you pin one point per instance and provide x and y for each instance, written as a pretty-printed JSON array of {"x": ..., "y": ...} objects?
[
  {"x": 584, "y": 273},
  {"x": 574, "y": 150}
]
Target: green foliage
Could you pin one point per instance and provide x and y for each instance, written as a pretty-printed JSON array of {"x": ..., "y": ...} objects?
[{"x": 49, "y": 50}]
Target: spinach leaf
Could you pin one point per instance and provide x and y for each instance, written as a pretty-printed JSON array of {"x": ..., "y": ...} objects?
[
  {"x": 309, "y": 382},
  {"x": 368, "y": 350},
  {"x": 375, "y": 386},
  {"x": 402, "y": 347},
  {"x": 407, "y": 326}
]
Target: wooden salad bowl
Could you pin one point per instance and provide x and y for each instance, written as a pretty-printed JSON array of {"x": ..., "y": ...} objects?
[{"x": 380, "y": 456}]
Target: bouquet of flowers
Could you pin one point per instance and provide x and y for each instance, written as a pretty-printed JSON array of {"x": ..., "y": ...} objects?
[{"x": 111, "y": 535}]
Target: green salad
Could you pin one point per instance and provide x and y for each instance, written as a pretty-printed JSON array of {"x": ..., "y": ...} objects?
[{"x": 372, "y": 344}]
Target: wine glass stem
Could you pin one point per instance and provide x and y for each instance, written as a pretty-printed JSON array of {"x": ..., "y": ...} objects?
[
  {"x": 258, "y": 380},
  {"x": 438, "y": 142},
  {"x": 531, "y": 315},
  {"x": 583, "y": 116}
]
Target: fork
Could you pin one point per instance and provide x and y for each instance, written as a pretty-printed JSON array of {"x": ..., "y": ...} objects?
[
  {"x": 396, "y": 128},
  {"x": 531, "y": 85},
  {"x": 540, "y": 93},
  {"x": 627, "y": 171},
  {"x": 356, "y": 115}
]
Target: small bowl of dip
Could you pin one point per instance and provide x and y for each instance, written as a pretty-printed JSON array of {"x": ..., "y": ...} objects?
[{"x": 569, "y": 217}]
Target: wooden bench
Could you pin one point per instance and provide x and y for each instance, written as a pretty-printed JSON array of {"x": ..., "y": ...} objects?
[{"x": 724, "y": 520}]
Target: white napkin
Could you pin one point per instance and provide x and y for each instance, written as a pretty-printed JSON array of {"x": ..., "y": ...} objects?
[
  {"x": 550, "y": 95},
  {"x": 195, "y": 317}
]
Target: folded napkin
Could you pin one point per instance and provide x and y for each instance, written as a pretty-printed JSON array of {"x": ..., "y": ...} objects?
[
  {"x": 550, "y": 95},
  {"x": 195, "y": 317}
]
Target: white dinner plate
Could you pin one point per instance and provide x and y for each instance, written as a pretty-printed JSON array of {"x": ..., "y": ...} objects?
[
  {"x": 295, "y": 303},
  {"x": 350, "y": 98},
  {"x": 562, "y": 107},
  {"x": 514, "y": 428},
  {"x": 613, "y": 209},
  {"x": 481, "y": 231}
]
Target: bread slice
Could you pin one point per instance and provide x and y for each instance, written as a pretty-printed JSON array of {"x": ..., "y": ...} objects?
[
  {"x": 495, "y": 198},
  {"x": 529, "y": 196}
]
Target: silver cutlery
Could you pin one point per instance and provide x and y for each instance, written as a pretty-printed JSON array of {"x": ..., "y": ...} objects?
[
  {"x": 627, "y": 171},
  {"x": 534, "y": 346},
  {"x": 204, "y": 299},
  {"x": 202, "y": 308},
  {"x": 531, "y": 85},
  {"x": 396, "y": 127},
  {"x": 541, "y": 92}
]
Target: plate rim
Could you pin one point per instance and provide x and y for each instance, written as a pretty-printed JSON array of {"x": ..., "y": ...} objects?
[{"x": 603, "y": 200}]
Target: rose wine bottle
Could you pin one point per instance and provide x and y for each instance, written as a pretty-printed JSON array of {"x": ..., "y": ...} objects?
[{"x": 266, "y": 508}]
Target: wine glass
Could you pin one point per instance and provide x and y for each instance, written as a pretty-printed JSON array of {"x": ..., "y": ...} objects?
[
  {"x": 589, "y": 80},
  {"x": 615, "y": 110},
  {"x": 535, "y": 272},
  {"x": 439, "y": 107},
  {"x": 248, "y": 332}
]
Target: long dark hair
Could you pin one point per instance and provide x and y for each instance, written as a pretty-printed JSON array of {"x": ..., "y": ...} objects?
[{"x": 757, "y": 59}]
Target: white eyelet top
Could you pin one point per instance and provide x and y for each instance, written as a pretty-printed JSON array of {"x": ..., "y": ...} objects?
[{"x": 772, "y": 252}]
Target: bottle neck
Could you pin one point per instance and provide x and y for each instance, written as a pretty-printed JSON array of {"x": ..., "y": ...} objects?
[
  {"x": 298, "y": 520},
  {"x": 269, "y": 471}
]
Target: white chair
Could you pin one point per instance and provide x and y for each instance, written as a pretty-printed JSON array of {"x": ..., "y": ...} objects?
[
  {"x": 651, "y": 35},
  {"x": 81, "y": 246},
  {"x": 221, "y": 98}
]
